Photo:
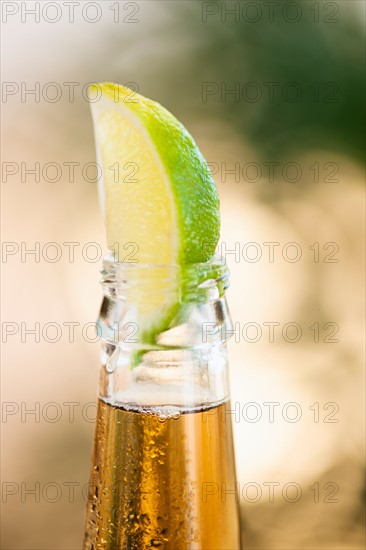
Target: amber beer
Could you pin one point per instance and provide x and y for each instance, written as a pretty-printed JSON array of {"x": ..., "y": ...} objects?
[{"x": 155, "y": 480}]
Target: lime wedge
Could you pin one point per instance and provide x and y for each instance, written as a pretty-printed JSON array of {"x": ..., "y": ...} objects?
[{"x": 158, "y": 197}]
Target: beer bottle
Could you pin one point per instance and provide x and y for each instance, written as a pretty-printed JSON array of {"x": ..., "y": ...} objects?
[{"x": 163, "y": 469}]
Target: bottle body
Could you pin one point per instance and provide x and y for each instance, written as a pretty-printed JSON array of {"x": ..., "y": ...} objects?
[
  {"x": 156, "y": 482},
  {"x": 163, "y": 470}
]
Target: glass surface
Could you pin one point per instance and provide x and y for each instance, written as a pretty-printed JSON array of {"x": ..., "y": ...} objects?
[{"x": 163, "y": 470}]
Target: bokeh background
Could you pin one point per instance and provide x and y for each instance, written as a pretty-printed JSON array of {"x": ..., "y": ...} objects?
[{"x": 286, "y": 151}]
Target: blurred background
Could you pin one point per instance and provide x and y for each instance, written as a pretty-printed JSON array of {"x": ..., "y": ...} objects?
[{"x": 273, "y": 94}]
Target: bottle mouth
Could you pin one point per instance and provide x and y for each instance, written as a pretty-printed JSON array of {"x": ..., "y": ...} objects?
[{"x": 196, "y": 279}]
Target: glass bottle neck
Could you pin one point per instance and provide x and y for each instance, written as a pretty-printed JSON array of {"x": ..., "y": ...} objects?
[{"x": 163, "y": 332}]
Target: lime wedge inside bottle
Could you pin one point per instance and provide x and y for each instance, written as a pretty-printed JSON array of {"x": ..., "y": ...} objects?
[{"x": 159, "y": 200}]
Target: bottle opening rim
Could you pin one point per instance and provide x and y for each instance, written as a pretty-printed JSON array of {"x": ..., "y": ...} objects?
[
  {"x": 194, "y": 277},
  {"x": 109, "y": 260}
]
